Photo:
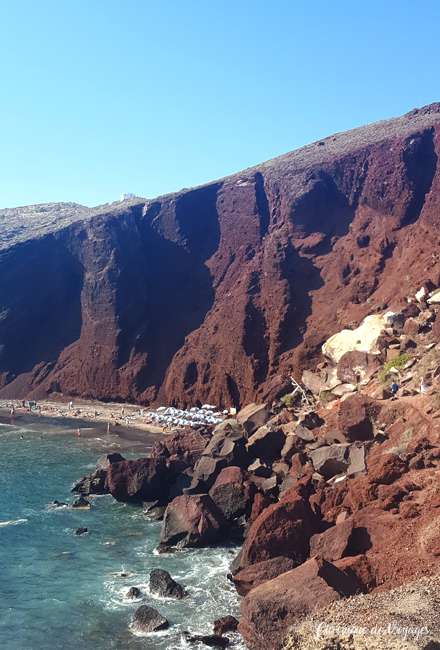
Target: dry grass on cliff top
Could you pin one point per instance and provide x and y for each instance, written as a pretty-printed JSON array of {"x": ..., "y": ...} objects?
[{"x": 405, "y": 618}]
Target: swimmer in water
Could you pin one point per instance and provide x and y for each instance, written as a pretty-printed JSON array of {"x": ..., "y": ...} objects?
[{"x": 78, "y": 433}]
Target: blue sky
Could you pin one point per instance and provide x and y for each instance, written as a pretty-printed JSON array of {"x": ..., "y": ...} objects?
[{"x": 101, "y": 97}]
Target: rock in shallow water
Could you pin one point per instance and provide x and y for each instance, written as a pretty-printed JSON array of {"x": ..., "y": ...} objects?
[
  {"x": 133, "y": 592},
  {"x": 147, "y": 619},
  {"x": 80, "y": 531},
  {"x": 163, "y": 585},
  {"x": 209, "y": 640}
]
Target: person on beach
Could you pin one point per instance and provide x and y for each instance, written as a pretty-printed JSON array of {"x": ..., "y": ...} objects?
[
  {"x": 78, "y": 433},
  {"x": 108, "y": 428},
  {"x": 12, "y": 412},
  {"x": 122, "y": 412},
  {"x": 422, "y": 387}
]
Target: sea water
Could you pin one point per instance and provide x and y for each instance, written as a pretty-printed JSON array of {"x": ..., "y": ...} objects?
[{"x": 62, "y": 592}]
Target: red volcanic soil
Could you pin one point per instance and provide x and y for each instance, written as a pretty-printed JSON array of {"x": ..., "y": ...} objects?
[{"x": 217, "y": 294}]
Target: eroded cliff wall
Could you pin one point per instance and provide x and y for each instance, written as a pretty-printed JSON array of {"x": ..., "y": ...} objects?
[{"x": 218, "y": 293}]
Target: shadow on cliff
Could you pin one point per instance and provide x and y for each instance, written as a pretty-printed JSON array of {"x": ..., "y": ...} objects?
[
  {"x": 40, "y": 304},
  {"x": 179, "y": 284},
  {"x": 322, "y": 209}
]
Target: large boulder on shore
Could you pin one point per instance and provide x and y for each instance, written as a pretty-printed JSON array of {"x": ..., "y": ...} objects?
[
  {"x": 107, "y": 459},
  {"x": 162, "y": 585},
  {"x": 232, "y": 493},
  {"x": 187, "y": 445},
  {"x": 366, "y": 338},
  {"x": 147, "y": 619},
  {"x": 133, "y": 481},
  {"x": 270, "y": 609},
  {"x": 192, "y": 521},
  {"x": 91, "y": 484},
  {"x": 256, "y": 574},
  {"x": 226, "y": 448},
  {"x": 253, "y": 416},
  {"x": 282, "y": 529}
]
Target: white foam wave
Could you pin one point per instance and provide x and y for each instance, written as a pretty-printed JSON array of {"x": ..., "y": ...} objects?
[{"x": 13, "y": 522}]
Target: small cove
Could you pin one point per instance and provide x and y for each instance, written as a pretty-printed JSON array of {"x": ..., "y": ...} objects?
[{"x": 64, "y": 592}]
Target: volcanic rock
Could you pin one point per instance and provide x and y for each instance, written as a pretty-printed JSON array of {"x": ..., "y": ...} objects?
[
  {"x": 162, "y": 585},
  {"x": 91, "y": 484},
  {"x": 266, "y": 443},
  {"x": 256, "y": 574},
  {"x": 80, "y": 531},
  {"x": 270, "y": 609},
  {"x": 355, "y": 417},
  {"x": 333, "y": 543},
  {"x": 192, "y": 521},
  {"x": 225, "y": 624},
  {"x": 133, "y": 592},
  {"x": 232, "y": 493},
  {"x": 356, "y": 367},
  {"x": 252, "y": 417},
  {"x": 133, "y": 481},
  {"x": 282, "y": 529},
  {"x": 81, "y": 503},
  {"x": 146, "y": 619},
  {"x": 213, "y": 641},
  {"x": 107, "y": 459},
  {"x": 244, "y": 262}
]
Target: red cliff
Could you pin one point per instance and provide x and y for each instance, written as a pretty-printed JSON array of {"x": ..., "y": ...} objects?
[{"x": 218, "y": 293}]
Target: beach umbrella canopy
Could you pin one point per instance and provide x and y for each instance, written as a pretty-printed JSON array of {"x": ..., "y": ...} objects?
[{"x": 161, "y": 408}]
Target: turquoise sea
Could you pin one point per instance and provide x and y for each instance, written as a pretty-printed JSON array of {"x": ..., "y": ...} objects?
[{"x": 62, "y": 592}]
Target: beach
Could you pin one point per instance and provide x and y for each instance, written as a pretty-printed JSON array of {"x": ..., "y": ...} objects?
[{"x": 54, "y": 417}]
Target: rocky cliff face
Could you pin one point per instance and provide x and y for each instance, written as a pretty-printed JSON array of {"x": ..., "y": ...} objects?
[{"x": 218, "y": 293}]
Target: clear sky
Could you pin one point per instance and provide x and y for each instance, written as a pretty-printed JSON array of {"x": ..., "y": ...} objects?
[{"x": 100, "y": 97}]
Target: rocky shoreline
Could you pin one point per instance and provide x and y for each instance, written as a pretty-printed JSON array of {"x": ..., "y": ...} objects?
[{"x": 332, "y": 495}]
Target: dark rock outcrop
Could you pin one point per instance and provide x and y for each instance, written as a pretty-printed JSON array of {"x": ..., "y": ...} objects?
[
  {"x": 162, "y": 584},
  {"x": 133, "y": 481},
  {"x": 210, "y": 640},
  {"x": 133, "y": 592},
  {"x": 232, "y": 493},
  {"x": 192, "y": 521},
  {"x": 147, "y": 619},
  {"x": 225, "y": 624}
]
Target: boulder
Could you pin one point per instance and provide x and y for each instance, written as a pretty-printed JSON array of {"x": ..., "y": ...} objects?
[
  {"x": 80, "y": 531},
  {"x": 331, "y": 460},
  {"x": 282, "y": 529},
  {"x": 268, "y": 486},
  {"x": 356, "y": 367},
  {"x": 232, "y": 493},
  {"x": 192, "y": 521},
  {"x": 183, "y": 481},
  {"x": 343, "y": 389},
  {"x": 252, "y": 417},
  {"x": 332, "y": 544},
  {"x": 227, "y": 447},
  {"x": 411, "y": 327},
  {"x": 133, "y": 592},
  {"x": 266, "y": 443},
  {"x": 385, "y": 469},
  {"x": 256, "y": 574},
  {"x": 359, "y": 570},
  {"x": 81, "y": 503},
  {"x": 162, "y": 585},
  {"x": 366, "y": 338},
  {"x": 186, "y": 444},
  {"x": 312, "y": 382},
  {"x": 107, "y": 459},
  {"x": 260, "y": 468},
  {"x": 213, "y": 641},
  {"x": 147, "y": 619},
  {"x": 92, "y": 484},
  {"x": 271, "y": 608},
  {"x": 133, "y": 481},
  {"x": 355, "y": 417},
  {"x": 260, "y": 503},
  {"x": 225, "y": 624}
]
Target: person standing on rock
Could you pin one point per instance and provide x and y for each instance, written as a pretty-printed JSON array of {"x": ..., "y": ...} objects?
[
  {"x": 394, "y": 388},
  {"x": 422, "y": 386}
]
